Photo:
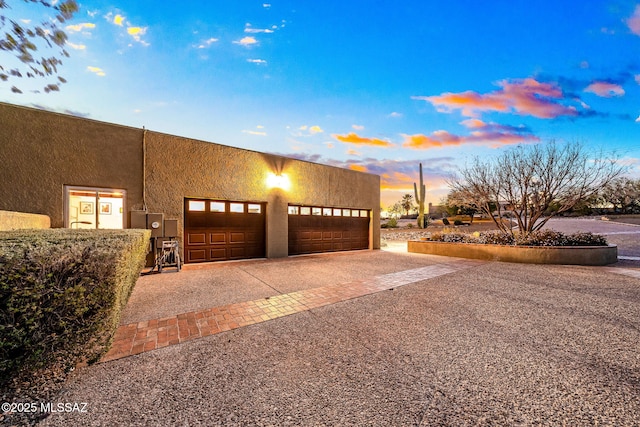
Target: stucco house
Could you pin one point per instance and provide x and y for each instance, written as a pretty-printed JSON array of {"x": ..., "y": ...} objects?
[{"x": 229, "y": 203}]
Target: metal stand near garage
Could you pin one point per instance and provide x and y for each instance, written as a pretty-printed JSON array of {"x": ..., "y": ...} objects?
[{"x": 167, "y": 254}]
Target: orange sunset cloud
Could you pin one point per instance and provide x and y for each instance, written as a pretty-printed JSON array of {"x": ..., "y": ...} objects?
[
  {"x": 353, "y": 138},
  {"x": 522, "y": 96}
]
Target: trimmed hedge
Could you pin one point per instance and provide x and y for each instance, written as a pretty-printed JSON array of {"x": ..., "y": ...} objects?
[
  {"x": 537, "y": 238},
  {"x": 62, "y": 293}
]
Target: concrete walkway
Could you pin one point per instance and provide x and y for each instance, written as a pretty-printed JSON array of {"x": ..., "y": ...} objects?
[{"x": 135, "y": 338}]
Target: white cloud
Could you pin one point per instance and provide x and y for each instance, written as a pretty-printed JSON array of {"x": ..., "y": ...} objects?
[
  {"x": 79, "y": 27},
  {"x": 205, "y": 44},
  {"x": 246, "y": 41},
  {"x": 97, "y": 71},
  {"x": 253, "y": 132},
  {"x": 266, "y": 5},
  {"x": 250, "y": 30},
  {"x": 357, "y": 127},
  {"x": 257, "y": 61},
  {"x": 118, "y": 20},
  {"x": 76, "y": 46},
  {"x": 395, "y": 115},
  {"x": 137, "y": 33}
]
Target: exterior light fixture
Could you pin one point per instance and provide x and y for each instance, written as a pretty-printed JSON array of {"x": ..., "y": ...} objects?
[{"x": 278, "y": 181}]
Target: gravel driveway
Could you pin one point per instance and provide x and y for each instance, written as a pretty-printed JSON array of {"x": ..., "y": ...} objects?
[{"x": 500, "y": 344}]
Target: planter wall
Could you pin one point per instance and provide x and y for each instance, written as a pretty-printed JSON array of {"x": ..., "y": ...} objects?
[{"x": 574, "y": 255}]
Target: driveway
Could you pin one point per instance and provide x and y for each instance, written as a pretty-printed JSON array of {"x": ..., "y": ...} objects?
[
  {"x": 488, "y": 344},
  {"x": 626, "y": 236}
]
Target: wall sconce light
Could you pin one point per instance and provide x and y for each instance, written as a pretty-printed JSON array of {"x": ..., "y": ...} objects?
[{"x": 278, "y": 181}]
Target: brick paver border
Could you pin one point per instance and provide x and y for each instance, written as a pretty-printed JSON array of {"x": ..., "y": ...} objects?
[{"x": 149, "y": 335}]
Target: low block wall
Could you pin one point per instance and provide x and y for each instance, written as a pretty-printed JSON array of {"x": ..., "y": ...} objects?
[
  {"x": 20, "y": 220},
  {"x": 573, "y": 255}
]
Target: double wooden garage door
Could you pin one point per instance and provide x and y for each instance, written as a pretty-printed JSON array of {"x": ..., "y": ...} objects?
[
  {"x": 218, "y": 230},
  {"x": 323, "y": 229}
]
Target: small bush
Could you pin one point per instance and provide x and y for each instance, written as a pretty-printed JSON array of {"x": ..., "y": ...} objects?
[
  {"x": 445, "y": 221},
  {"x": 457, "y": 222},
  {"x": 61, "y": 295},
  {"x": 409, "y": 225},
  {"x": 391, "y": 223}
]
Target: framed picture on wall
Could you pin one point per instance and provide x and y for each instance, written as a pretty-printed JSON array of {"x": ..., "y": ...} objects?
[
  {"x": 105, "y": 208},
  {"x": 86, "y": 208}
]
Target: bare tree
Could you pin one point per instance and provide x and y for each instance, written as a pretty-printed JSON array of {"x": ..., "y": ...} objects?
[
  {"x": 22, "y": 41},
  {"x": 623, "y": 193},
  {"x": 534, "y": 183}
]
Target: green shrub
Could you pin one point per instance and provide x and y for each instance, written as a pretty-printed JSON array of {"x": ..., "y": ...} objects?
[
  {"x": 457, "y": 222},
  {"x": 391, "y": 223},
  {"x": 61, "y": 294}
]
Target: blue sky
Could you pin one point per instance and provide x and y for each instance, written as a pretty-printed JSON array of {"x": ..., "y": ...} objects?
[{"x": 376, "y": 86}]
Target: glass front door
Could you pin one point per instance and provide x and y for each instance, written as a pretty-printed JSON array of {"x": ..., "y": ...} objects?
[{"x": 94, "y": 207}]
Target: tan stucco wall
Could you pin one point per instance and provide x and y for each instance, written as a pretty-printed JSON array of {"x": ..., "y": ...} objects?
[
  {"x": 180, "y": 167},
  {"x": 19, "y": 220},
  {"x": 42, "y": 151}
]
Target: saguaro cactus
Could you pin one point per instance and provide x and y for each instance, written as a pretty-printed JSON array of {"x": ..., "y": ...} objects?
[{"x": 420, "y": 200}]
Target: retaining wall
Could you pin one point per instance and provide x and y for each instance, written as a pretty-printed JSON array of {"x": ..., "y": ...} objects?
[{"x": 573, "y": 255}]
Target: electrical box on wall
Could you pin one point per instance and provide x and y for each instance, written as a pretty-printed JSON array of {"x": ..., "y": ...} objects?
[
  {"x": 170, "y": 228},
  {"x": 155, "y": 223},
  {"x": 138, "y": 219}
]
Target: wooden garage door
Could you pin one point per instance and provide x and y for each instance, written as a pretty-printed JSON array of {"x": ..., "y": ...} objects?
[
  {"x": 218, "y": 230},
  {"x": 323, "y": 229}
]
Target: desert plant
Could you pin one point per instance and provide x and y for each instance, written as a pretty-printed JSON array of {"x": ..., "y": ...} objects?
[
  {"x": 391, "y": 223},
  {"x": 420, "y": 200}
]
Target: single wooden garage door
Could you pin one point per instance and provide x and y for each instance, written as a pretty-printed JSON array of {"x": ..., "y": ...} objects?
[
  {"x": 218, "y": 230},
  {"x": 323, "y": 229}
]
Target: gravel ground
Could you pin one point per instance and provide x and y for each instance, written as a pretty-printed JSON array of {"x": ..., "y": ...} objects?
[{"x": 504, "y": 344}]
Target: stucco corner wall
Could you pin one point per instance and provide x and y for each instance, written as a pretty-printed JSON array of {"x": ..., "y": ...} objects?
[
  {"x": 20, "y": 220},
  {"x": 42, "y": 152}
]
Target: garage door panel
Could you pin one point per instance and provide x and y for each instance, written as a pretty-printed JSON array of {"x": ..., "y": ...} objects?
[
  {"x": 218, "y": 254},
  {"x": 237, "y": 237},
  {"x": 196, "y": 255},
  {"x": 217, "y": 238},
  {"x": 304, "y": 235},
  {"x": 217, "y": 233},
  {"x": 196, "y": 239},
  {"x": 238, "y": 252},
  {"x": 326, "y": 233}
]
